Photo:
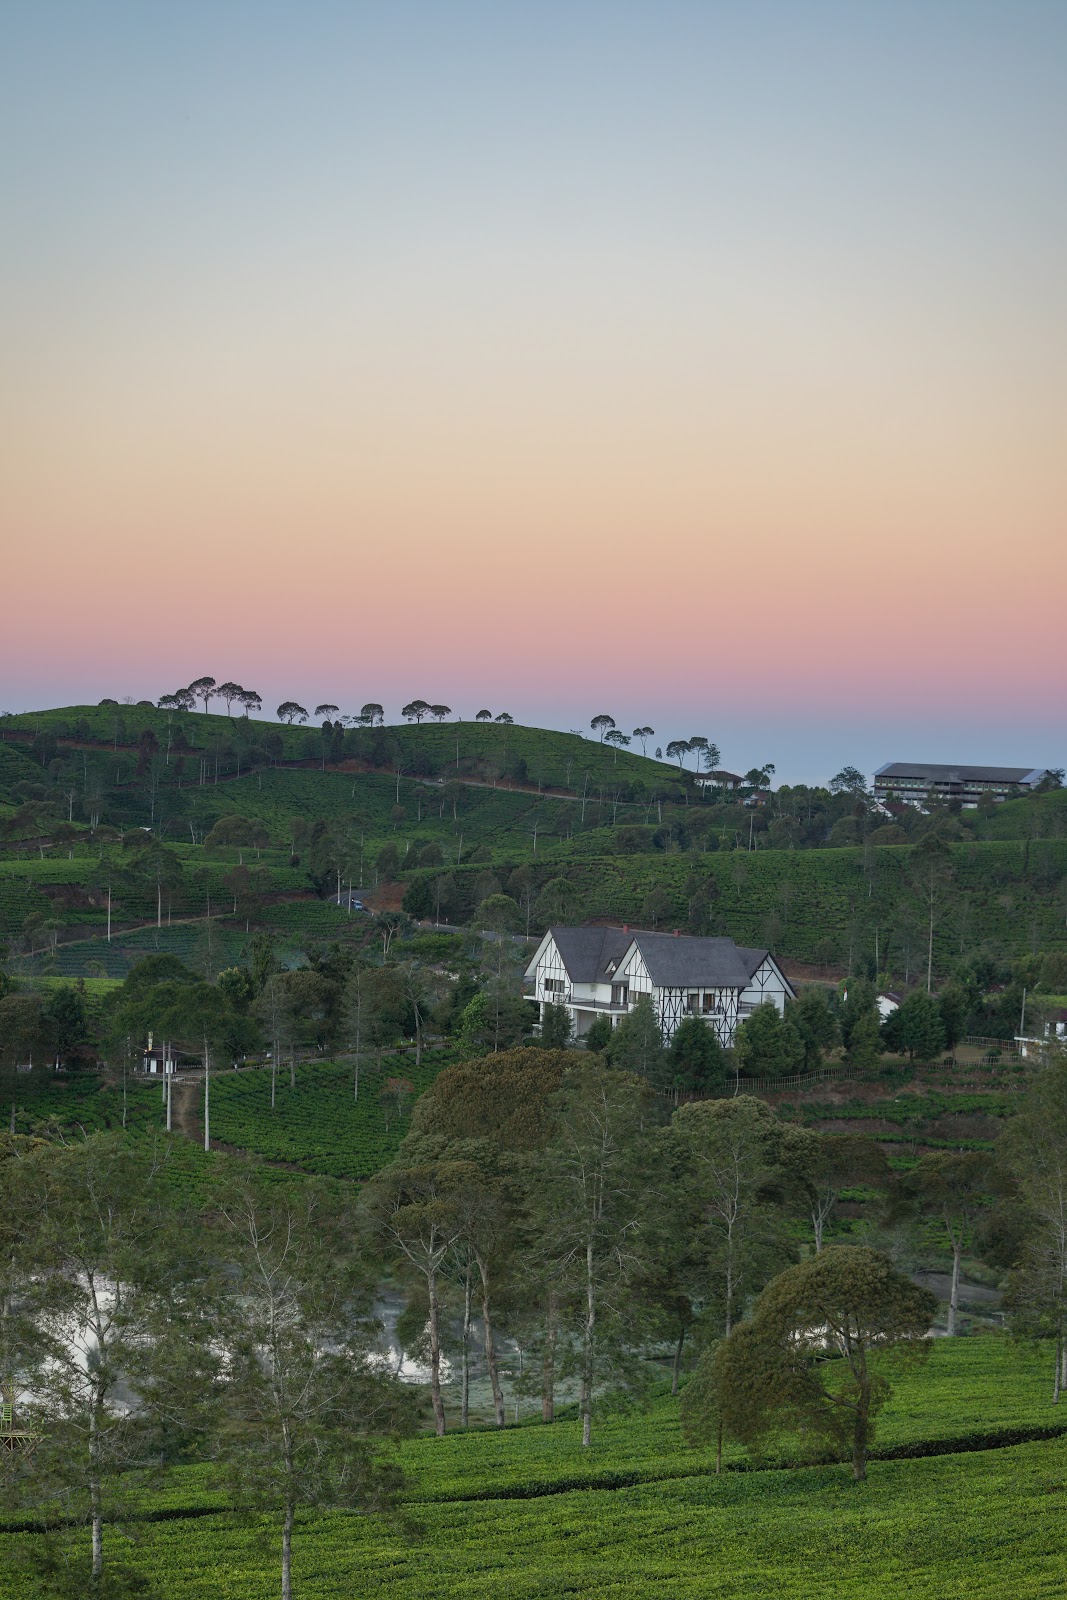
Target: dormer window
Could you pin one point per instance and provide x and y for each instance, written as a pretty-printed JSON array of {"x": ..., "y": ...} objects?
[{"x": 610, "y": 968}]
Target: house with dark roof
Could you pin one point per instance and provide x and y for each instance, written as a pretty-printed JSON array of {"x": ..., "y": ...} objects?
[
  {"x": 598, "y": 972},
  {"x": 923, "y": 782}
]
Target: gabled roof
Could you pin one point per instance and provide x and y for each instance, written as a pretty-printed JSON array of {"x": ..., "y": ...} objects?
[
  {"x": 675, "y": 961},
  {"x": 586, "y": 952}
]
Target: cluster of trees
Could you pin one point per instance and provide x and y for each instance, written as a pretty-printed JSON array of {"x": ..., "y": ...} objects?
[
  {"x": 551, "y": 1198},
  {"x": 241, "y": 1327},
  {"x": 205, "y": 690},
  {"x": 540, "y": 1196}
]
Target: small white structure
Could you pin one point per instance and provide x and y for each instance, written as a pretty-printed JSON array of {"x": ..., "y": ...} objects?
[
  {"x": 597, "y": 972},
  {"x": 1051, "y": 1040},
  {"x": 718, "y": 780},
  {"x": 159, "y": 1060},
  {"x": 887, "y": 1003}
]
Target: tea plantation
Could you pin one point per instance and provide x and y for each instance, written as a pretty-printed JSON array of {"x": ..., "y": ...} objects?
[{"x": 528, "y": 1514}]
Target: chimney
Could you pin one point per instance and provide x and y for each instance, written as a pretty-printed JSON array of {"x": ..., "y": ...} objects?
[
  {"x": 626, "y": 927},
  {"x": 677, "y": 932}
]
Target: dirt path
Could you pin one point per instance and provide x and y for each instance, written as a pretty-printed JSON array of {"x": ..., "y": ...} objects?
[{"x": 187, "y": 1109}]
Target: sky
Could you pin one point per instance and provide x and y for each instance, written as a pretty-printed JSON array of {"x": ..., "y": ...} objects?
[{"x": 703, "y": 364}]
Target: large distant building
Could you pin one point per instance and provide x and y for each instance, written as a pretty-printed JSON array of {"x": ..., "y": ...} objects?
[
  {"x": 598, "y": 972},
  {"x": 922, "y": 782}
]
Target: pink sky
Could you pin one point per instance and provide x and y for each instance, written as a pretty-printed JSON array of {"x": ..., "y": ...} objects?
[{"x": 704, "y": 371}]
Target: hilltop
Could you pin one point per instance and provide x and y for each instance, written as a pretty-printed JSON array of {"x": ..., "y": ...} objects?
[{"x": 250, "y": 825}]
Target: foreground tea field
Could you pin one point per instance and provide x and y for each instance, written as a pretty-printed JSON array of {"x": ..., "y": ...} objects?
[
  {"x": 981, "y": 1526},
  {"x": 528, "y": 1514}
]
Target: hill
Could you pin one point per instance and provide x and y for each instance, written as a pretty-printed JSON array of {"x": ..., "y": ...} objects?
[{"x": 440, "y": 815}]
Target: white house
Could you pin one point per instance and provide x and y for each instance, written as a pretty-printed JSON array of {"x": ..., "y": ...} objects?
[{"x": 598, "y": 972}]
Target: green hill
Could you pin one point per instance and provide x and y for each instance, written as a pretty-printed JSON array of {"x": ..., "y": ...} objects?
[{"x": 441, "y": 815}]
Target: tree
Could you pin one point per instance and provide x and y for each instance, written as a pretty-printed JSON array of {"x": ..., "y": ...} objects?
[
  {"x": 858, "y": 1006},
  {"x": 697, "y": 1060},
  {"x": 439, "y": 713},
  {"x": 850, "y": 781},
  {"x": 372, "y": 713},
  {"x": 203, "y": 689},
  {"x": 499, "y": 913},
  {"x": 712, "y": 756},
  {"x": 587, "y": 1207},
  {"x": 505, "y": 717},
  {"x": 824, "y": 1165},
  {"x": 677, "y": 750},
  {"x": 290, "y": 711},
  {"x": 953, "y": 1187},
  {"x": 813, "y": 1017},
  {"x": 767, "y": 1045},
  {"x": 415, "y": 710},
  {"x": 416, "y": 1214},
  {"x": 601, "y": 723},
  {"x": 250, "y": 700},
  {"x": 109, "y": 1305},
  {"x": 618, "y": 741},
  {"x": 599, "y": 1034},
  {"x": 1033, "y": 1151},
  {"x": 304, "y": 1395},
  {"x": 656, "y": 905},
  {"x": 760, "y": 777},
  {"x": 327, "y": 710},
  {"x": 556, "y": 901},
  {"x": 556, "y": 1027},
  {"x": 931, "y": 875},
  {"x": 644, "y": 734},
  {"x": 728, "y": 1154},
  {"x": 853, "y": 1301},
  {"x": 636, "y": 1044},
  {"x": 492, "y": 1115},
  {"x": 916, "y": 1026},
  {"x": 483, "y": 716},
  {"x": 229, "y": 692}
]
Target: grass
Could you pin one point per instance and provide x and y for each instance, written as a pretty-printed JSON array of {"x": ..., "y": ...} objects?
[
  {"x": 319, "y": 1125},
  {"x": 986, "y": 1524},
  {"x": 1006, "y": 896}
]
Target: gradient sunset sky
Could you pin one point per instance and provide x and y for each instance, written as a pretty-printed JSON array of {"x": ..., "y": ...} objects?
[{"x": 704, "y": 364}]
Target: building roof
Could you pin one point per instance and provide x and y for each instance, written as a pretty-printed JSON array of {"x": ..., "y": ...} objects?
[
  {"x": 677, "y": 960},
  {"x": 586, "y": 952},
  {"x": 933, "y": 772},
  {"x": 720, "y": 776},
  {"x": 673, "y": 960}
]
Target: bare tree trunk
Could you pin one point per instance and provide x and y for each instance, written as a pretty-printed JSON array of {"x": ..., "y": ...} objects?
[
  {"x": 435, "y": 1356},
  {"x": 1057, "y": 1375},
  {"x": 287, "y": 1551},
  {"x": 954, "y": 1292},
  {"x": 676, "y": 1369},
  {"x": 95, "y": 1495},
  {"x": 207, "y": 1101},
  {"x": 817, "y": 1227},
  {"x": 465, "y": 1390},
  {"x": 490, "y": 1348},
  {"x": 586, "y": 1400},
  {"x": 860, "y": 1434},
  {"x": 548, "y": 1362}
]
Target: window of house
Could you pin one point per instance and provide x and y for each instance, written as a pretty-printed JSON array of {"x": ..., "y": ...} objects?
[{"x": 618, "y": 994}]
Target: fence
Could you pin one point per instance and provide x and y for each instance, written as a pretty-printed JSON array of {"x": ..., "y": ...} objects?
[{"x": 803, "y": 1080}]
